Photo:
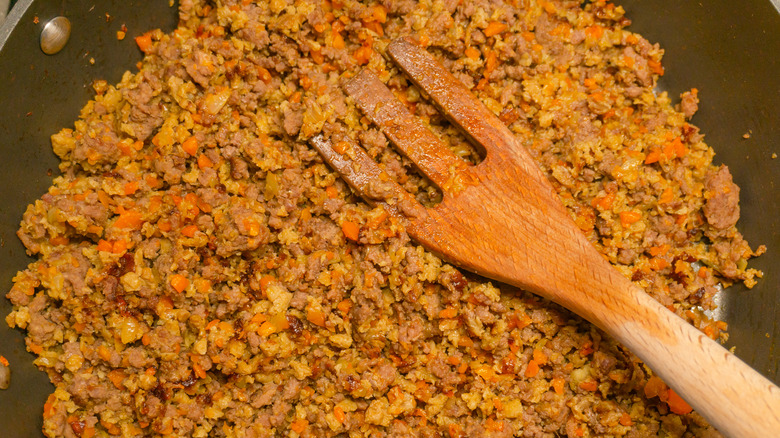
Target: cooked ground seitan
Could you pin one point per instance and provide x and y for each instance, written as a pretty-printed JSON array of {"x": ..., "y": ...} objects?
[{"x": 200, "y": 272}]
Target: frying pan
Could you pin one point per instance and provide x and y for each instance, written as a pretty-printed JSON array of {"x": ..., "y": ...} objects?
[{"x": 730, "y": 51}]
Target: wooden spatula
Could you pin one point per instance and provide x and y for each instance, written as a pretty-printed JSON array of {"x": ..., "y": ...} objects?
[{"x": 503, "y": 220}]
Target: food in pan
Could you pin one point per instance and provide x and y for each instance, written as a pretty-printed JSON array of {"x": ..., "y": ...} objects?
[{"x": 201, "y": 272}]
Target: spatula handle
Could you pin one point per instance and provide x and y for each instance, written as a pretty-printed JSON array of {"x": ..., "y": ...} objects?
[{"x": 736, "y": 399}]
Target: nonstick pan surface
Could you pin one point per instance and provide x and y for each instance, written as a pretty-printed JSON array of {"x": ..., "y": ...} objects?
[{"x": 728, "y": 50}]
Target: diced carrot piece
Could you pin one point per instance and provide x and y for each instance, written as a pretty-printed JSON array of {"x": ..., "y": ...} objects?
[
  {"x": 259, "y": 318},
  {"x": 549, "y": 7},
  {"x": 164, "y": 225},
  {"x": 204, "y": 161},
  {"x": 152, "y": 181},
  {"x": 265, "y": 281},
  {"x": 654, "y": 387},
  {"x": 557, "y": 384},
  {"x": 129, "y": 220},
  {"x": 264, "y": 74},
  {"x": 494, "y": 426},
  {"x": 131, "y": 187},
  {"x": 659, "y": 250},
  {"x": 595, "y": 31},
  {"x": 252, "y": 227},
  {"x": 48, "y": 407},
  {"x": 340, "y": 147},
  {"x": 605, "y": 202},
  {"x": 338, "y": 412},
  {"x": 539, "y": 356},
  {"x": 104, "y": 245},
  {"x": 472, "y": 53},
  {"x": 104, "y": 198},
  {"x": 656, "y": 67},
  {"x": 4, "y": 361},
  {"x": 119, "y": 246},
  {"x": 657, "y": 263},
  {"x": 344, "y": 306},
  {"x": 144, "y": 42},
  {"x": 199, "y": 371},
  {"x": 363, "y": 54},
  {"x": 299, "y": 425},
  {"x": 317, "y": 57},
  {"x": 190, "y": 146},
  {"x": 532, "y": 369},
  {"x": 625, "y": 419},
  {"x": 316, "y": 317},
  {"x": 338, "y": 41},
  {"x": 104, "y": 353},
  {"x": 375, "y": 222},
  {"x": 125, "y": 148},
  {"x": 667, "y": 196},
  {"x": 494, "y": 28},
  {"x": 677, "y": 404},
  {"x": 305, "y": 82},
  {"x": 189, "y": 230},
  {"x": 491, "y": 62},
  {"x": 266, "y": 329},
  {"x": 678, "y": 147},
  {"x": 589, "y": 385},
  {"x": 179, "y": 282},
  {"x": 117, "y": 377},
  {"x": 629, "y": 217},
  {"x": 653, "y": 157},
  {"x": 332, "y": 192},
  {"x": 394, "y": 394},
  {"x": 351, "y": 230},
  {"x": 449, "y": 312},
  {"x": 379, "y": 13}
]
